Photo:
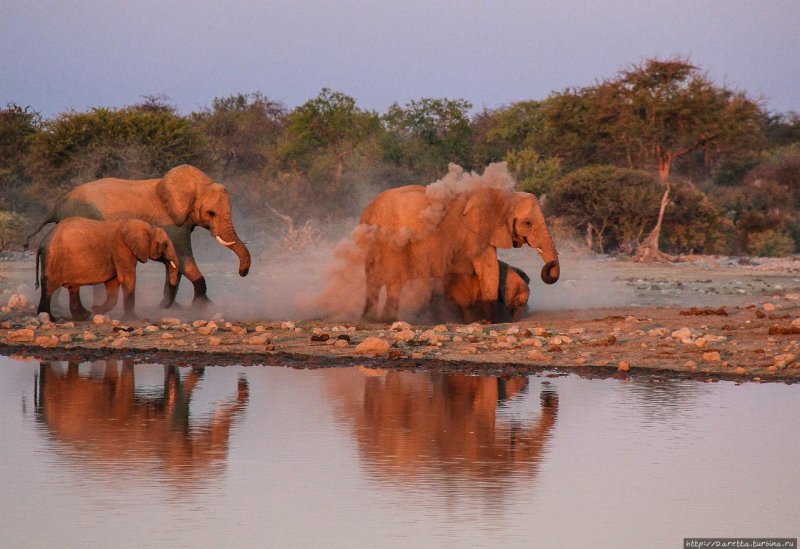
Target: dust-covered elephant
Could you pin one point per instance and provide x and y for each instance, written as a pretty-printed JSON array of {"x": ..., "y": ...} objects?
[
  {"x": 464, "y": 291},
  {"x": 80, "y": 251},
  {"x": 183, "y": 199},
  {"x": 410, "y": 233}
]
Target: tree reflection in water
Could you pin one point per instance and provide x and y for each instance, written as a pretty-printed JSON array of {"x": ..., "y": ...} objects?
[
  {"x": 104, "y": 423},
  {"x": 441, "y": 428}
]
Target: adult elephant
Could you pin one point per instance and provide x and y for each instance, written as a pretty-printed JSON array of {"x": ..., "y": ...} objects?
[
  {"x": 183, "y": 199},
  {"x": 408, "y": 234}
]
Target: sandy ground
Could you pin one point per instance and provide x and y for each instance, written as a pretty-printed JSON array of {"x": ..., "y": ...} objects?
[{"x": 707, "y": 317}]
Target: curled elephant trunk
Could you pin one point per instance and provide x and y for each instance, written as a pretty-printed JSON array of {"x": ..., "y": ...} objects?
[
  {"x": 228, "y": 238},
  {"x": 550, "y": 272}
]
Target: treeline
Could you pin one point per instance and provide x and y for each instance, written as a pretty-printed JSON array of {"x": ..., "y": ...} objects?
[{"x": 658, "y": 145}]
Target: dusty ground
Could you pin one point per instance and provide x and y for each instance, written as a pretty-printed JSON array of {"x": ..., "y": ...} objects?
[{"x": 708, "y": 317}]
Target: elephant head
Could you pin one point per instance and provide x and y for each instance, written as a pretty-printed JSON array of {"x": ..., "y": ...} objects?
[
  {"x": 506, "y": 219},
  {"x": 190, "y": 196},
  {"x": 148, "y": 242}
]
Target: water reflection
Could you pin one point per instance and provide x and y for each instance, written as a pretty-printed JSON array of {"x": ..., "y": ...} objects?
[
  {"x": 101, "y": 419},
  {"x": 442, "y": 429}
]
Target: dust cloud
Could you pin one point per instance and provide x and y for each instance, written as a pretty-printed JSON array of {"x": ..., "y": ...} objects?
[{"x": 325, "y": 279}]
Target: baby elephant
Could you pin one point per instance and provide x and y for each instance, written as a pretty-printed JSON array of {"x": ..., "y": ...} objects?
[
  {"x": 465, "y": 291},
  {"x": 82, "y": 251}
]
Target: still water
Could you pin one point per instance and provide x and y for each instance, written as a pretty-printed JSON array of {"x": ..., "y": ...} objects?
[{"x": 108, "y": 454}]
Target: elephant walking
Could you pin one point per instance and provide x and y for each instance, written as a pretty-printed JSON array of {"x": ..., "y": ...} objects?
[{"x": 183, "y": 199}]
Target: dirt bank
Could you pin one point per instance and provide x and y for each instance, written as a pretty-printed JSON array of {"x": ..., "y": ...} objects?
[{"x": 709, "y": 317}]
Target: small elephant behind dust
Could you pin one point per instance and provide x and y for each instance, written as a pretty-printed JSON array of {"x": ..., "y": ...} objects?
[
  {"x": 513, "y": 293},
  {"x": 83, "y": 251}
]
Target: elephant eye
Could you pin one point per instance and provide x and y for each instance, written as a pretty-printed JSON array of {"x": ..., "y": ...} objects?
[{"x": 211, "y": 213}]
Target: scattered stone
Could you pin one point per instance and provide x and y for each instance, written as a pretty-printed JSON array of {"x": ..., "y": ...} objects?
[
  {"x": 341, "y": 343},
  {"x": 658, "y": 332},
  {"x": 46, "y": 341},
  {"x": 780, "y": 330},
  {"x": 320, "y": 337},
  {"x": 288, "y": 325},
  {"x": 458, "y": 339},
  {"x": 170, "y": 321},
  {"x": 440, "y": 328},
  {"x": 17, "y": 302},
  {"x": 99, "y": 319},
  {"x": 214, "y": 341},
  {"x": 577, "y": 331},
  {"x": 701, "y": 342},
  {"x": 372, "y": 346},
  {"x": 167, "y": 335},
  {"x": 531, "y": 342},
  {"x": 712, "y": 356},
  {"x": 206, "y": 330},
  {"x": 269, "y": 347},
  {"x": 238, "y": 330},
  {"x": 400, "y": 326},
  {"x": 120, "y": 342},
  {"x": 65, "y": 338},
  {"x": 88, "y": 336},
  {"x": 682, "y": 333},
  {"x": 694, "y": 311},
  {"x": 417, "y": 355},
  {"x": 199, "y": 323},
  {"x": 343, "y": 337},
  {"x": 6, "y": 324},
  {"x": 261, "y": 339},
  {"x": 513, "y": 330},
  {"x": 24, "y": 335},
  {"x": 403, "y": 335},
  {"x": 151, "y": 328},
  {"x": 690, "y": 365},
  {"x": 44, "y": 318},
  {"x": 740, "y": 370},
  {"x": 768, "y": 307},
  {"x": 784, "y": 360},
  {"x": 179, "y": 343},
  {"x": 623, "y": 366},
  {"x": 261, "y": 329},
  {"x": 796, "y": 323}
]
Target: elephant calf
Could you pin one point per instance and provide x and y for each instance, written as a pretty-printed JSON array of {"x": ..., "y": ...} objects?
[
  {"x": 83, "y": 251},
  {"x": 513, "y": 293}
]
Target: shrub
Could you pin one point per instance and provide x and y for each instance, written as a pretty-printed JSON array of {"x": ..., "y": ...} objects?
[{"x": 620, "y": 204}]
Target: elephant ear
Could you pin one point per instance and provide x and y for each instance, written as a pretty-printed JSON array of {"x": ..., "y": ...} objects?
[
  {"x": 136, "y": 236},
  {"x": 178, "y": 190},
  {"x": 486, "y": 214}
]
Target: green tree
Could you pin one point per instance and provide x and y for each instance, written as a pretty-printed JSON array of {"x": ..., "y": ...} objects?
[
  {"x": 533, "y": 173},
  {"x": 18, "y": 126},
  {"x": 428, "y": 134},
  {"x": 134, "y": 142},
  {"x": 331, "y": 128},
  {"x": 613, "y": 205},
  {"x": 241, "y": 130},
  {"x": 660, "y": 111}
]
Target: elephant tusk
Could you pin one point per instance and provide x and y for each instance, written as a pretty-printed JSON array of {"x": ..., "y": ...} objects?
[
  {"x": 172, "y": 264},
  {"x": 223, "y": 242}
]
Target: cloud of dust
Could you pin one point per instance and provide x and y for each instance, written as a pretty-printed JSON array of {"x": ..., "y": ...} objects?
[{"x": 327, "y": 280}]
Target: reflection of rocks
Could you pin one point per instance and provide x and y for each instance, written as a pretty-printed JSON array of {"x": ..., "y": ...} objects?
[
  {"x": 104, "y": 420},
  {"x": 441, "y": 427}
]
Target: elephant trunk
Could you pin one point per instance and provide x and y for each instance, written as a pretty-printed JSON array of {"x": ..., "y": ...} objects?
[
  {"x": 551, "y": 270},
  {"x": 227, "y": 237}
]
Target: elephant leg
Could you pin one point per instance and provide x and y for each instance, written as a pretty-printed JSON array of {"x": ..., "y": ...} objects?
[
  {"x": 170, "y": 292},
  {"x": 76, "y": 308},
  {"x": 198, "y": 281},
  {"x": 129, "y": 299},
  {"x": 112, "y": 292},
  {"x": 392, "y": 307},
  {"x": 44, "y": 299},
  {"x": 371, "y": 302}
]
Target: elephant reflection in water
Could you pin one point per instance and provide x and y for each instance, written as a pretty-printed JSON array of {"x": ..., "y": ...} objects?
[
  {"x": 103, "y": 419},
  {"x": 440, "y": 426}
]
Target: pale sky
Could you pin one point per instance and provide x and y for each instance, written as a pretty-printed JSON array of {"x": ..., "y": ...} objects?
[{"x": 74, "y": 54}]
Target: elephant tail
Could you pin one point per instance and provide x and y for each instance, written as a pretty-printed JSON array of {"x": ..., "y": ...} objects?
[
  {"x": 51, "y": 218},
  {"x": 38, "y": 255}
]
